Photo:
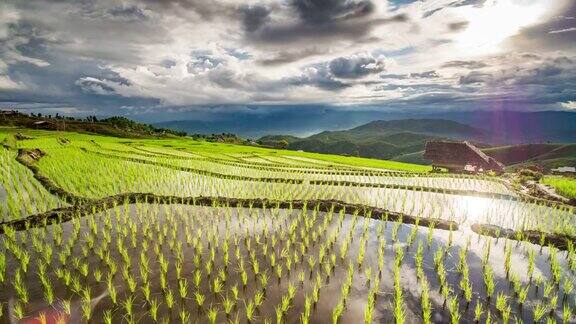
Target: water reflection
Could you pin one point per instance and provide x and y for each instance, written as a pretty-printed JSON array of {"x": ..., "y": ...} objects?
[{"x": 473, "y": 207}]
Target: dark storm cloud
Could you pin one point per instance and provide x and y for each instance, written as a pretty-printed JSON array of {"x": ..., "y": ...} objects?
[
  {"x": 285, "y": 57},
  {"x": 474, "y": 77},
  {"x": 544, "y": 81},
  {"x": 253, "y": 17},
  {"x": 559, "y": 33},
  {"x": 458, "y": 26},
  {"x": 357, "y": 30},
  {"x": 207, "y": 10},
  {"x": 356, "y": 66},
  {"x": 94, "y": 86},
  {"x": 472, "y": 65},
  {"x": 317, "y": 19},
  {"x": 128, "y": 12},
  {"x": 394, "y": 76},
  {"x": 319, "y": 77},
  {"x": 317, "y": 12},
  {"x": 425, "y": 75},
  {"x": 332, "y": 75}
]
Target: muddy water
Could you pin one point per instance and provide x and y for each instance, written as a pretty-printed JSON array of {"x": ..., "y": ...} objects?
[
  {"x": 3, "y": 202},
  {"x": 3, "y": 194},
  {"x": 248, "y": 224}
]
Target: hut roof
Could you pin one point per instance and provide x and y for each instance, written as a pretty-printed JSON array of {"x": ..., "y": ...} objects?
[
  {"x": 460, "y": 154},
  {"x": 455, "y": 152}
]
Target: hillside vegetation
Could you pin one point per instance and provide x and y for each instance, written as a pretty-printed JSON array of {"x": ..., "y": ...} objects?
[
  {"x": 111, "y": 126},
  {"x": 378, "y": 139}
]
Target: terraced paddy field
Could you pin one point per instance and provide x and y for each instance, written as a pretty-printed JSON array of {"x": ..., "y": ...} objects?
[{"x": 100, "y": 229}]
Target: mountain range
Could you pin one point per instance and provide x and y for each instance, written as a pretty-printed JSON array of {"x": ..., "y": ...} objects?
[{"x": 499, "y": 127}]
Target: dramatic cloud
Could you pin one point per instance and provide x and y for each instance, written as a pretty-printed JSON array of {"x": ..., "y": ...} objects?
[
  {"x": 356, "y": 66},
  {"x": 465, "y": 64},
  {"x": 571, "y": 105},
  {"x": 137, "y": 56}
]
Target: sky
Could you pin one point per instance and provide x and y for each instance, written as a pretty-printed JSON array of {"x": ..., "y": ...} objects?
[{"x": 165, "y": 57}]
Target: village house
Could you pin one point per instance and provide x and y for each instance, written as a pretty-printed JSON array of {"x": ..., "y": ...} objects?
[{"x": 565, "y": 170}]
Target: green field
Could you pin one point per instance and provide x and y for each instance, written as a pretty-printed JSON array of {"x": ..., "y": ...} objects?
[
  {"x": 116, "y": 230},
  {"x": 222, "y": 148},
  {"x": 563, "y": 186}
]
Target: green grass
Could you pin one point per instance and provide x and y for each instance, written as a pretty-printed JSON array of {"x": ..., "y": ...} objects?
[
  {"x": 563, "y": 186},
  {"x": 43, "y": 138}
]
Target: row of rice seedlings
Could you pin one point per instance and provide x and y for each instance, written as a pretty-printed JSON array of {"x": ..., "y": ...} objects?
[
  {"x": 127, "y": 275},
  {"x": 497, "y": 211},
  {"x": 127, "y": 243},
  {"x": 255, "y": 171},
  {"x": 20, "y": 194}
]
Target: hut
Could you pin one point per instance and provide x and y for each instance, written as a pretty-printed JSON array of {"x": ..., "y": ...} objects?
[
  {"x": 460, "y": 157},
  {"x": 565, "y": 170}
]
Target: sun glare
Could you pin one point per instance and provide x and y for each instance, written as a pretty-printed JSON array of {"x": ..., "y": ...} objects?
[
  {"x": 490, "y": 25},
  {"x": 472, "y": 207}
]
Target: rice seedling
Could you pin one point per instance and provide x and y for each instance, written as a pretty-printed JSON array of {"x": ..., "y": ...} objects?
[
  {"x": 212, "y": 316},
  {"x": 540, "y": 310},
  {"x": 249, "y": 310},
  {"x": 154, "y": 305},
  {"x": 567, "y": 313},
  {"x": 489, "y": 281},
  {"x": 228, "y": 305},
  {"x": 454, "y": 308},
  {"x": 337, "y": 312},
  {"x": 478, "y": 311},
  {"x": 425, "y": 303},
  {"x": 107, "y": 317},
  {"x": 399, "y": 312},
  {"x": 169, "y": 299}
]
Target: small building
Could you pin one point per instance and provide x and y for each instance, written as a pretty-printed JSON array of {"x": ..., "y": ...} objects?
[
  {"x": 565, "y": 170},
  {"x": 460, "y": 157}
]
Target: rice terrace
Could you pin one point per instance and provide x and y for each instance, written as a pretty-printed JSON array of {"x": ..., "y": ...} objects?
[{"x": 288, "y": 161}]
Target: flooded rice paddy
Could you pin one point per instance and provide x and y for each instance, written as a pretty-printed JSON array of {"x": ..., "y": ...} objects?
[{"x": 143, "y": 253}]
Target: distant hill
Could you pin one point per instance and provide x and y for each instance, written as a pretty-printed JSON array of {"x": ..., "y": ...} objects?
[
  {"x": 513, "y": 127},
  {"x": 548, "y": 156},
  {"x": 499, "y": 127},
  {"x": 378, "y": 139}
]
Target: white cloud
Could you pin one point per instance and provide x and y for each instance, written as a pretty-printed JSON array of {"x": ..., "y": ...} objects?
[
  {"x": 8, "y": 84},
  {"x": 570, "y": 105},
  {"x": 562, "y": 30}
]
